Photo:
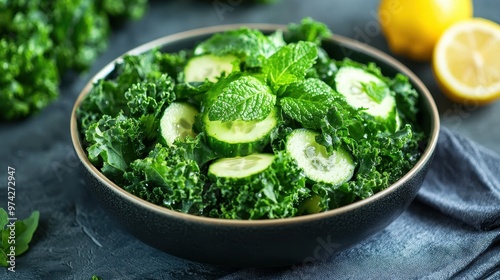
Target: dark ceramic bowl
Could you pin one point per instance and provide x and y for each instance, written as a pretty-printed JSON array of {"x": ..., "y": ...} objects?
[{"x": 263, "y": 242}]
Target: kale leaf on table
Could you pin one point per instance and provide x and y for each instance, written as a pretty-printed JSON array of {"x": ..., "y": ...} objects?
[
  {"x": 23, "y": 232},
  {"x": 40, "y": 41}
]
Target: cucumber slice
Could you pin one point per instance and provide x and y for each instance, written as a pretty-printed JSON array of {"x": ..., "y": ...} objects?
[
  {"x": 239, "y": 138},
  {"x": 208, "y": 67},
  {"x": 240, "y": 169},
  {"x": 177, "y": 122},
  {"x": 315, "y": 161},
  {"x": 349, "y": 82}
]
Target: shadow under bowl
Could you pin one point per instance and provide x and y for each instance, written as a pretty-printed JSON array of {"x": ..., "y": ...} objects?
[{"x": 263, "y": 243}]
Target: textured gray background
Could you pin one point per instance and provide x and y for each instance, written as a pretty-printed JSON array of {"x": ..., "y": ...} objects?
[{"x": 76, "y": 239}]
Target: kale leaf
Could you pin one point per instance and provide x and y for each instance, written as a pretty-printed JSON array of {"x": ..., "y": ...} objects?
[
  {"x": 308, "y": 30},
  {"x": 123, "y": 9},
  {"x": 114, "y": 142},
  {"x": 24, "y": 230},
  {"x": 40, "y": 41},
  {"x": 250, "y": 45},
  {"x": 136, "y": 85},
  {"x": 168, "y": 177},
  {"x": 79, "y": 32},
  {"x": 407, "y": 98},
  {"x": 274, "y": 193},
  {"x": 30, "y": 78}
]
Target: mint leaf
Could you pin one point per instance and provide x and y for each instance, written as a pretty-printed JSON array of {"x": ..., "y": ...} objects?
[
  {"x": 245, "y": 98},
  {"x": 308, "y": 102},
  {"x": 250, "y": 45},
  {"x": 290, "y": 63},
  {"x": 377, "y": 92}
]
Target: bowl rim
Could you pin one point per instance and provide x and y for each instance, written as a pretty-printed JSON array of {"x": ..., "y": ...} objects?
[{"x": 344, "y": 41}]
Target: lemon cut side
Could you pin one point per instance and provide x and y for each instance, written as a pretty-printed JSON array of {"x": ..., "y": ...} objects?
[{"x": 466, "y": 61}]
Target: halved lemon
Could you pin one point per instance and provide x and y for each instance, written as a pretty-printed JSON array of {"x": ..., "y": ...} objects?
[{"x": 466, "y": 61}]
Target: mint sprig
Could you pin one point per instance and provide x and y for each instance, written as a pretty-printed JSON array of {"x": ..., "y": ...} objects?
[
  {"x": 290, "y": 63},
  {"x": 245, "y": 98},
  {"x": 308, "y": 101}
]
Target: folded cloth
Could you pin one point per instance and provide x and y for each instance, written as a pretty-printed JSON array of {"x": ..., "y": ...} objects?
[{"x": 451, "y": 230}]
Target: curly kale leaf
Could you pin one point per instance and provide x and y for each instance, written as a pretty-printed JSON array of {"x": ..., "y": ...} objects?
[
  {"x": 147, "y": 100},
  {"x": 30, "y": 78},
  {"x": 308, "y": 30},
  {"x": 135, "y": 68},
  {"x": 381, "y": 157},
  {"x": 150, "y": 97},
  {"x": 406, "y": 98},
  {"x": 342, "y": 122},
  {"x": 194, "y": 92},
  {"x": 381, "y": 161},
  {"x": 113, "y": 143},
  {"x": 324, "y": 68},
  {"x": 105, "y": 98},
  {"x": 384, "y": 160},
  {"x": 327, "y": 196},
  {"x": 42, "y": 40},
  {"x": 123, "y": 9},
  {"x": 174, "y": 63},
  {"x": 131, "y": 130},
  {"x": 250, "y": 45},
  {"x": 275, "y": 193},
  {"x": 168, "y": 177},
  {"x": 136, "y": 87},
  {"x": 80, "y": 32},
  {"x": 196, "y": 149}
]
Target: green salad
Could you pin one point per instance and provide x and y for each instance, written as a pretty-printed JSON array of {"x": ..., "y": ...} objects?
[{"x": 249, "y": 125}]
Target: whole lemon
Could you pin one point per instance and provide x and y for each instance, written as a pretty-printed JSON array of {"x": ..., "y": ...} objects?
[{"x": 413, "y": 27}]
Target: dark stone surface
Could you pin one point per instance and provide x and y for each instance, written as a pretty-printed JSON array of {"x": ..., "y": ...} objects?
[{"x": 77, "y": 239}]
